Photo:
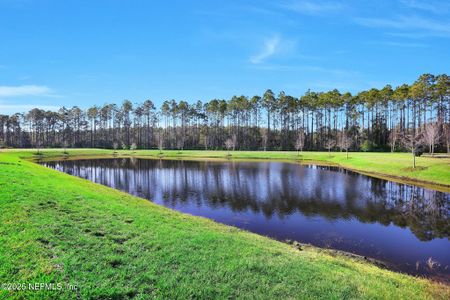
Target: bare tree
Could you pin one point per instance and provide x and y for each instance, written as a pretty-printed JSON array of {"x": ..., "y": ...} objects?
[
  {"x": 180, "y": 143},
  {"x": 431, "y": 136},
  {"x": 329, "y": 144},
  {"x": 38, "y": 146},
  {"x": 133, "y": 147},
  {"x": 115, "y": 146},
  {"x": 229, "y": 144},
  {"x": 413, "y": 141},
  {"x": 393, "y": 138},
  {"x": 264, "y": 137},
  {"x": 339, "y": 141},
  {"x": 65, "y": 144},
  {"x": 234, "y": 137},
  {"x": 344, "y": 142},
  {"x": 206, "y": 141},
  {"x": 160, "y": 142},
  {"x": 300, "y": 142}
]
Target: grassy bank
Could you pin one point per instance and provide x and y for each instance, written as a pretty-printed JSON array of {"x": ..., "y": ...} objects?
[{"x": 61, "y": 229}]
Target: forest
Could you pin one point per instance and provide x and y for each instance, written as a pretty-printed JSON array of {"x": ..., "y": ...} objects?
[{"x": 410, "y": 117}]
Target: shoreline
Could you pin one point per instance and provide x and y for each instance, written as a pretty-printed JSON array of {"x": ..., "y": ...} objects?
[
  {"x": 441, "y": 187},
  {"x": 332, "y": 251},
  {"x": 100, "y": 221}
]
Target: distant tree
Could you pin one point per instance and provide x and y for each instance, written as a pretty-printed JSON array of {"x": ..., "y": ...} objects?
[
  {"x": 180, "y": 143},
  {"x": 393, "y": 138},
  {"x": 65, "y": 144},
  {"x": 366, "y": 146},
  {"x": 269, "y": 103},
  {"x": 330, "y": 144},
  {"x": 133, "y": 147},
  {"x": 206, "y": 141},
  {"x": 160, "y": 141},
  {"x": 344, "y": 142},
  {"x": 412, "y": 141},
  {"x": 115, "y": 146},
  {"x": 4, "y": 120},
  {"x": 300, "y": 142},
  {"x": 126, "y": 109},
  {"x": 148, "y": 109},
  {"x": 431, "y": 136},
  {"x": 124, "y": 146},
  {"x": 264, "y": 138},
  {"x": 38, "y": 146},
  {"x": 447, "y": 136},
  {"x": 204, "y": 137},
  {"x": 37, "y": 119},
  {"x": 92, "y": 115},
  {"x": 229, "y": 144},
  {"x": 375, "y": 119}
]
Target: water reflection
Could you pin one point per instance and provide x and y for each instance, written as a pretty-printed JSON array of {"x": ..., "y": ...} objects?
[{"x": 325, "y": 206}]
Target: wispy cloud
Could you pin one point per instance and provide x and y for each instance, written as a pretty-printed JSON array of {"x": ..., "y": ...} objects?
[
  {"x": 338, "y": 72},
  {"x": 25, "y": 90},
  {"x": 399, "y": 44},
  {"x": 406, "y": 45},
  {"x": 271, "y": 46},
  {"x": 313, "y": 7},
  {"x": 430, "y": 6},
  {"x": 409, "y": 35},
  {"x": 431, "y": 27},
  {"x": 307, "y": 68}
]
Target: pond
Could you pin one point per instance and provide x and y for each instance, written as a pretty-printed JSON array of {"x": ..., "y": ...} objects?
[{"x": 405, "y": 226}]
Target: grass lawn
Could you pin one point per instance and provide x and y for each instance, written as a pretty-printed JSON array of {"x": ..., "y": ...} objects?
[{"x": 55, "y": 228}]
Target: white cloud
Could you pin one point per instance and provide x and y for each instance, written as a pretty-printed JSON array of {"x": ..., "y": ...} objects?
[
  {"x": 408, "y": 23},
  {"x": 271, "y": 46},
  {"x": 313, "y": 7},
  {"x": 25, "y": 90}
]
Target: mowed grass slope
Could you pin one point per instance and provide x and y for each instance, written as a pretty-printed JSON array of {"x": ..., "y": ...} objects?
[{"x": 61, "y": 229}]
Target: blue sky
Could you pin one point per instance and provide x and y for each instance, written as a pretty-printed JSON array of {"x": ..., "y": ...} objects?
[{"x": 55, "y": 53}]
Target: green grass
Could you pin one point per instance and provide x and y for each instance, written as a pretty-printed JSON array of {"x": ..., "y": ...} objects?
[{"x": 62, "y": 229}]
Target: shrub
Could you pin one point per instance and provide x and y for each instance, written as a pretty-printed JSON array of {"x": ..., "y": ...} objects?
[
  {"x": 419, "y": 151},
  {"x": 366, "y": 146}
]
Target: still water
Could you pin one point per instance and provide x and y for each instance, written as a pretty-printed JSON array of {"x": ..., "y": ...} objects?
[{"x": 328, "y": 207}]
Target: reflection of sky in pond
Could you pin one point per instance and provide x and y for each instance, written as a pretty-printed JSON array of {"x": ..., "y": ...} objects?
[{"x": 324, "y": 206}]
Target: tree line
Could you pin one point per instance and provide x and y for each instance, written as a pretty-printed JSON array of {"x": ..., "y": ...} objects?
[{"x": 408, "y": 117}]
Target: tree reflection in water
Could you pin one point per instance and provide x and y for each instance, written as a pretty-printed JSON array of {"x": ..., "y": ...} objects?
[{"x": 285, "y": 195}]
